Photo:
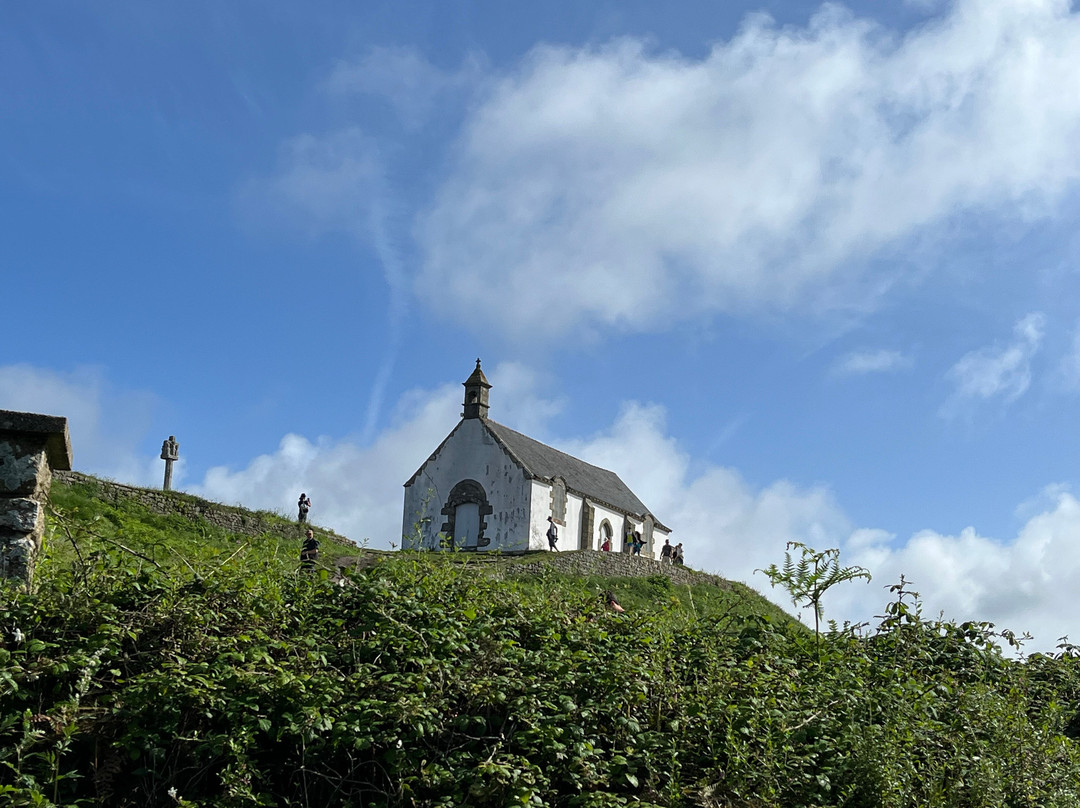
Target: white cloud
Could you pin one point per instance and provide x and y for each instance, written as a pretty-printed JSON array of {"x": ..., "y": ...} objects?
[
  {"x": 106, "y": 424},
  {"x": 1024, "y": 584},
  {"x": 407, "y": 80},
  {"x": 858, "y": 363},
  {"x": 356, "y": 490},
  {"x": 322, "y": 184},
  {"x": 729, "y": 527},
  {"x": 1070, "y": 364},
  {"x": 616, "y": 187},
  {"x": 725, "y": 525},
  {"x": 1000, "y": 371}
]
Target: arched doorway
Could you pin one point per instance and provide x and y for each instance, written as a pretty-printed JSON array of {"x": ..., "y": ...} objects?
[
  {"x": 467, "y": 525},
  {"x": 465, "y": 511},
  {"x": 606, "y": 534}
]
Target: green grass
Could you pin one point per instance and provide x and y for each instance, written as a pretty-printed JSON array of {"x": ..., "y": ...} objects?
[{"x": 84, "y": 523}]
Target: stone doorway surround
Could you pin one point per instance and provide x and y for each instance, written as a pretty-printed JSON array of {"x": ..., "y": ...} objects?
[{"x": 31, "y": 445}]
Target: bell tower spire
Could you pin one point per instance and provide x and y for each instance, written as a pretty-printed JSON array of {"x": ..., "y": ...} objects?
[{"x": 476, "y": 394}]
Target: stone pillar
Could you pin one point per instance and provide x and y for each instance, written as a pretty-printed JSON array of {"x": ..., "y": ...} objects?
[
  {"x": 31, "y": 445},
  {"x": 588, "y": 518}
]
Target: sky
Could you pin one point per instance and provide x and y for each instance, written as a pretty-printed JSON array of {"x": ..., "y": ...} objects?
[{"x": 796, "y": 271}]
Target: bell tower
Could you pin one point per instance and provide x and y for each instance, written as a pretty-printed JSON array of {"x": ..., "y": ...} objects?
[{"x": 476, "y": 394}]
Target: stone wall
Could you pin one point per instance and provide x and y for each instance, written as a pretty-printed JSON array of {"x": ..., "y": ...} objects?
[
  {"x": 31, "y": 445},
  {"x": 167, "y": 503},
  {"x": 610, "y": 565}
]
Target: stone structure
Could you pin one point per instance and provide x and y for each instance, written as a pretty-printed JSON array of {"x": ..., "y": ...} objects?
[
  {"x": 170, "y": 453},
  {"x": 31, "y": 445},
  {"x": 487, "y": 487},
  {"x": 227, "y": 517},
  {"x": 610, "y": 565}
]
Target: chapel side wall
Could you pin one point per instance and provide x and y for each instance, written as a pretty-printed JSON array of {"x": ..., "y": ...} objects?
[
  {"x": 572, "y": 531},
  {"x": 541, "y": 510},
  {"x": 470, "y": 453},
  {"x": 658, "y": 541},
  {"x": 569, "y": 534},
  {"x": 616, "y": 520}
]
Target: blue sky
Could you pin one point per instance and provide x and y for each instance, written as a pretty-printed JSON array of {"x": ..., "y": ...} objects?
[{"x": 795, "y": 271}]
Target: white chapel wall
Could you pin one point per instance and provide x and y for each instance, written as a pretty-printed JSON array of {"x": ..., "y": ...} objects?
[
  {"x": 572, "y": 531},
  {"x": 615, "y": 518},
  {"x": 569, "y": 533},
  {"x": 471, "y": 453},
  {"x": 541, "y": 509}
]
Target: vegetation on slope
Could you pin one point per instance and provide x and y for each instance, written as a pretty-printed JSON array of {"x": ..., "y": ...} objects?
[{"x": 159, "y": 665}]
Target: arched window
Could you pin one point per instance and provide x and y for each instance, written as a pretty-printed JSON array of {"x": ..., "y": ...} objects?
[
  {"x": 606, "y": 533},
  {"x": 558, "y": 500},
  {"x": 465, "y": 511}
]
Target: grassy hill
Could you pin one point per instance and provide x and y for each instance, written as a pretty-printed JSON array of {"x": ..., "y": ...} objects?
[{"x": 162, "y": 662}]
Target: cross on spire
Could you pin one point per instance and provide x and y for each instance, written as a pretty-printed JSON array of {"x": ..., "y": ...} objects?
[{"x": 476, "y": 394}]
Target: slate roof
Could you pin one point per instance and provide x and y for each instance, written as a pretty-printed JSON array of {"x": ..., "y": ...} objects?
[{"x": 541, "y": 460}]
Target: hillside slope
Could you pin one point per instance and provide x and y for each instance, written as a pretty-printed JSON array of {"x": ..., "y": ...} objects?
[{"x": 161, "y": 664}]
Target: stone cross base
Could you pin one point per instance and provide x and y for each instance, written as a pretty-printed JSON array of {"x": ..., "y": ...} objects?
[{"x": 31, "y": 445}]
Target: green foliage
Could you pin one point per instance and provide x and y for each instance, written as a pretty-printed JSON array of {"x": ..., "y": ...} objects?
[
  {"x": 808, "y": 579},
  {"x": 142, "y": 674}
]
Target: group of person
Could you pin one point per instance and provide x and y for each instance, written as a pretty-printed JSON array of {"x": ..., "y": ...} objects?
[
  {"x": 671, "y": 553},
  {"x": 633, "y": 541},
  {"x": 309, "y": 548}
]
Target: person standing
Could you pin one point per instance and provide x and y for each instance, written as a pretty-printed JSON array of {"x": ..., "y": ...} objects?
[
  {"x": 552, "y": 535},
  {"x": 304, "y": 505},
  {"x": 309, "y": 551}
]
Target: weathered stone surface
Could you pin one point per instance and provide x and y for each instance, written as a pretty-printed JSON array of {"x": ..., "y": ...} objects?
[
  {"x": 30, "y": 443},
  {"x": 613, "y": 565},
  {"x": 22, "y": 515},
  {"x": 50, "y": 430},
  {"x": 24, "y": 469},
  {"x": 17, "y": 555}
]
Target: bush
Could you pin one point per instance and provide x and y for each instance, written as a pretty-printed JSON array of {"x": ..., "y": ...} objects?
[{"x": 226, "y": 678}]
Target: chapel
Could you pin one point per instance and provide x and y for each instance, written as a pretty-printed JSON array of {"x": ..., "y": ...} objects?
[{"x": 487, "y": 487}]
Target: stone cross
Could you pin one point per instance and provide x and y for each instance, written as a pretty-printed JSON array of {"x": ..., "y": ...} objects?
[
  {"x": 170, "y": 453},
  {"x": 31, "y": 445}
]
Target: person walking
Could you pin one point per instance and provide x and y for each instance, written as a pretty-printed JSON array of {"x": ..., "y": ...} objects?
[
  {"x": 677, "y": 556},
  {"x": 665, "y": 552},
  {"x": 304, "y": 505},
  {"x": 552, "y": 535}
]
